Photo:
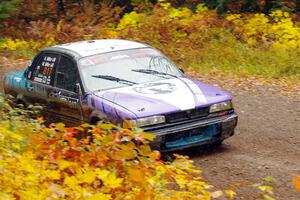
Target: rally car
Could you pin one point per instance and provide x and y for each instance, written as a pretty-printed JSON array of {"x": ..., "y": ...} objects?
[{"x": 126, "y": 83}]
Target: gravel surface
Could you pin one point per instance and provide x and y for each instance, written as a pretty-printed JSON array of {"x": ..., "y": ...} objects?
[{"x": 266, "y": 142}]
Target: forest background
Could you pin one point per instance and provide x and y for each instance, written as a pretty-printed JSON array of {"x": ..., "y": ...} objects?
[
  {"x": 241, "y": 37},
  {"x": 219, "y": 38}
]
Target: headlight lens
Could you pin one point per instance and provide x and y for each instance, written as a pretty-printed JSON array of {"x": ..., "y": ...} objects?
[
  {"x": 227, "y": 105},
  {"x": 147, "y": 121}
]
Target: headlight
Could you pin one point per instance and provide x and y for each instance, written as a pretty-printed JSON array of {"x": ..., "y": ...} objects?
[
  {"x": 147, "y": 121},
  {"x": 227, "y": 105}
]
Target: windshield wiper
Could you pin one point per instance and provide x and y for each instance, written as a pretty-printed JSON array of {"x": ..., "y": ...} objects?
[
  {"x": 116, "y": 79},
  {"x": 150, "y": 71}
]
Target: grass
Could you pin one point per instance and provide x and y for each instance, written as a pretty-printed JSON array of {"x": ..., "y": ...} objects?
[
  {"x": 229, "y": 55},
  {"x": 223, "y": 54}
]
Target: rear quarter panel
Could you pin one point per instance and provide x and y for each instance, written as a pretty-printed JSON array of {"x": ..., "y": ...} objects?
[{"x": 14, "y": 84}]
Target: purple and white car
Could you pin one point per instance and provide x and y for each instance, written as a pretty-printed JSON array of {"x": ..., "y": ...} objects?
[{"x": 126, "y": 83}]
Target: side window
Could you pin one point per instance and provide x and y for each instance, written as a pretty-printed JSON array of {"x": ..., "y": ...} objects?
[
  {"x": 43, "y": 68},
  {"x": 66, "y": 74}
]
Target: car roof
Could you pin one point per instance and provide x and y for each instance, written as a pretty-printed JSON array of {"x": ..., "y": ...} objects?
[{"x": 93, "y": 47}]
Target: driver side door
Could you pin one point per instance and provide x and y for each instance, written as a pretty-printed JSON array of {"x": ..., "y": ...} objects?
[{"x": 66, "y": 98}]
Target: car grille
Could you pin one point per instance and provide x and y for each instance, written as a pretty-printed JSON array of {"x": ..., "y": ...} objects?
[{"x": 188, "y": 114}]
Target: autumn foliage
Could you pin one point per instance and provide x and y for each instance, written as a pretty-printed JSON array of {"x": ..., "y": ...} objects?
[
  {"x": 106, "y": 161},
  {"x": 198, "y": 38},
  {"x": 88, "y": 162}
]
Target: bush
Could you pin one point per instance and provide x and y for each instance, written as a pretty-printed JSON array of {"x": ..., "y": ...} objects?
[
  {"x": 88, "y": 162},
  {"x": 242, "y": 44},
  {"x": 6, "y": 7},
  {"x": 248, "y": 44},
  {"x": 277, "y": 30}
]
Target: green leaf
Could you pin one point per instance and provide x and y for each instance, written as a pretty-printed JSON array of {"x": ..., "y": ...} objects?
[
  {"x": 265, "y": 188},
  {"x": 148, "y": 136},
  {"x": 268, "y": 197},
  {"x": 269, "y": 179}
]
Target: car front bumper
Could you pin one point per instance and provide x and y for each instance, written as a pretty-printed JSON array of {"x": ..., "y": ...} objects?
[{"x": 194, "y": 133}]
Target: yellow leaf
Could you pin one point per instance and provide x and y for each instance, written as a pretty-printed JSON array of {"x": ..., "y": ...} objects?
[
  {"x": 109, "y": 178},
  {"x": 296, "y": 182},
  {"x": 265, "y": 188},
  {"x": 268, "y": 197},
  {"x": 112, "y": 181},
  {"x": 71, "y": 181},
  {"x": 216, "y": 194},
  {"x": 148, "y": 136},
  {"x": 160, "y": 170},
  {"x": 6, "y": 196},
  {"x": 102, "y": 174},
  {"x": 87, "y": 176},
  {"x": 127, "y": 152},
  {"x": 10, "y": 134},
  {"x": 27, "y": 166},
  {"x": 136, "y": 175},
  {"x": 181, "y": 181},
  {"x": 16, "y": 136},
  {"x": 145, "y": 150},
  {"x": 269, "y": 179},
  {"x": 51, "y": 174},
  {"x": 230, "y": 193},
  {"x": 63, "y": 164},
  {"x": 99, "y": 196}
]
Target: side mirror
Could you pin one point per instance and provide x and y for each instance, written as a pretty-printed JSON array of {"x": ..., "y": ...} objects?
[
  {"x": 78, "y": 88},
  {"x": 181, "y": 70},
  {"x": 26, "y": 73}
]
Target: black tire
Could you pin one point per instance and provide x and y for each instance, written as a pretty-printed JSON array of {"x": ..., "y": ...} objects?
[
  {"x": 217, "y": 144},
  {"x": 94, "y": 120}
]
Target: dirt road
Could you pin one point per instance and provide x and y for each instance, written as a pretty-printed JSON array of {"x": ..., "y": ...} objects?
[{"x": 266, "y": 143}]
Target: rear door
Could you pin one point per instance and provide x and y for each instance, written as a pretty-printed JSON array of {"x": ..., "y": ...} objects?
[{"x": 65, "y": 98}]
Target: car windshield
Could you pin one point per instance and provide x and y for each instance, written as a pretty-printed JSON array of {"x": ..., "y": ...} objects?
[{"x": 126, "y": 67}]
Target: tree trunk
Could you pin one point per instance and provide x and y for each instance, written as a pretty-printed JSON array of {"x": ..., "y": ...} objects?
[
  {"x": 297, "y": 5},
  {"x": 271, "y": 4},
  {"x": 250, "y": 6},
  {"x": 60, "y": 8}
]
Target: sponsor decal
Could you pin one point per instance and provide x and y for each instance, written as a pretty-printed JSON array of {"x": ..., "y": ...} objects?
[
  {"x": 173, "y": 92},
  {"x": 156, "y": 88},
  {"x": 17, "y": 79}
]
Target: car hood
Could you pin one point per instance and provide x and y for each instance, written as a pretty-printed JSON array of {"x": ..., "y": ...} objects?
[{"x": 164, "y": 96}]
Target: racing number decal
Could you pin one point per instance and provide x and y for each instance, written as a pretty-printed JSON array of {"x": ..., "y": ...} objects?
[
  {"x": 47, "y": 71},
  {"x": 44, "y": 69}
]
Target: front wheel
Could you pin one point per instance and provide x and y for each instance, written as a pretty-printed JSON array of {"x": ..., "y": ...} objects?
[{"x": 94, "y": 120}]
